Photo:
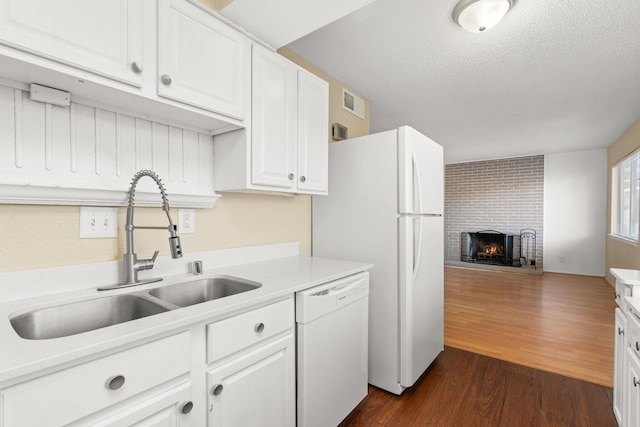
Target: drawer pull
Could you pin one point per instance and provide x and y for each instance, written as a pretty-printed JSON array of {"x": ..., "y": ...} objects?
[
  {"x": 116, "y": 382},
  {"x": 635, "y": 382},
  {"x": 259, "y": 327},
  {"x": 217, "y": 390},
  {"x": 291, "y": 177},
  {"x": 166, "y": 79},
  {"x": 620, "y": 331},
  {"x": 186, "y": 408},
  {"x": 637, "y": 346},
  {"x": 617, "y": 295}
]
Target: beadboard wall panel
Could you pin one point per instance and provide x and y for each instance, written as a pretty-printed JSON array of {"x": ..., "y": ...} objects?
[{"x": 87, "y": 156}]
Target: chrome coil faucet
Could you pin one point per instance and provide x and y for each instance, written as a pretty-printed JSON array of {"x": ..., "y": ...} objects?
[{"x": 131, "y": 262}]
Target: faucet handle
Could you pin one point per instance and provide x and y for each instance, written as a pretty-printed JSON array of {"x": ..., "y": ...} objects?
[{"x": 147, "y": 264}]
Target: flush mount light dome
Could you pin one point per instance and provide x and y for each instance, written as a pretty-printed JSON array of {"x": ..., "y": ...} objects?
[{"x": 480, "y": 15}]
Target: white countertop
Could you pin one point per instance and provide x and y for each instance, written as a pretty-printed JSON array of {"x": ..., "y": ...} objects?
[
  {"x": 634, "y": 302},
  {"x": 279, "y": 277},
  {"x": 628, "y": 277}
]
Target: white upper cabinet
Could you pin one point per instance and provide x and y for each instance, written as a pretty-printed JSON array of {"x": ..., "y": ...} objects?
[
  {"x": 285, "y": 149},
  {"x": 313, "y": 134},
  {"x": 102, "y": 37},
  {"x": 201, "y": 61},
  {"x": 172, "y": 61},
  {"x": 274, "y": 127}
]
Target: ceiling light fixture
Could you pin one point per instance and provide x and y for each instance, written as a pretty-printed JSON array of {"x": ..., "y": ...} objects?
[{"x": 480, "y": 15}]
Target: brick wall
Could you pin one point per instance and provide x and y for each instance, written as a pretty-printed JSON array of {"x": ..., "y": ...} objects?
[{"x": 504, "y": 195}]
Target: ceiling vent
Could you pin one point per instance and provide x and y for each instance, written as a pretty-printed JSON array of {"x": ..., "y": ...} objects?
[{"x": 352, "y": 103}]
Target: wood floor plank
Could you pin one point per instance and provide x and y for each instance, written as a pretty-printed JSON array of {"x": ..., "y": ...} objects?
[
  {"x": 554, "y": 322},
  {"x": 468, "y": 389},
  {"x": 521, "y": 350}
]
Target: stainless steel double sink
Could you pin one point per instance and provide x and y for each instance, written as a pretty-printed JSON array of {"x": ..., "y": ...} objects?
[{"x": 88, "y": 315}]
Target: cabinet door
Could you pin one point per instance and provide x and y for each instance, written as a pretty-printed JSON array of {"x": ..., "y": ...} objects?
[
  {"x": 201, "y": 61},
  {"x": 273, "y": 143},
  {"x": 172, "y": 408},
  {"x": 619, "y": 365},
  {"x": 313, "y": 133},
  {"x": 632, "y": 390},
  {"x": 103, "y": 37},
  {"x": 256, "y": 389}
]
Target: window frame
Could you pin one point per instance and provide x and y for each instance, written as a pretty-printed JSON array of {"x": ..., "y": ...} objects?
[{"x": 625, "y": 209}]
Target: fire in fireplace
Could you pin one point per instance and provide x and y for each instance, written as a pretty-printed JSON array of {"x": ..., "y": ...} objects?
[{"x": 488, "y": 247}]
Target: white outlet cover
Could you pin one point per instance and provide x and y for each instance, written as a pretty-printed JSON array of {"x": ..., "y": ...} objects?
[
  {"x": 186, "y": 221},
  {"x": 98, "y": 223}
]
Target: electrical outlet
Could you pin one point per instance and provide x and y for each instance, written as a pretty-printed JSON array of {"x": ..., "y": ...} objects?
[
  {"x": 186, "y": 221},
  {"x": 98, "y": 223}
]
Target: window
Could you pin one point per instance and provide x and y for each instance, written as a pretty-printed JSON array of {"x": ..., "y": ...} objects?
[{"x": 625, "y": 214}]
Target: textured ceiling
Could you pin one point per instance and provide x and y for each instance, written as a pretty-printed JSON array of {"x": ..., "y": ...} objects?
[{"x": 553, "y": 76}]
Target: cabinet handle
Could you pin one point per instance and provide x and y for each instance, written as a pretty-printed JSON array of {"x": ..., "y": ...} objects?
[
  {"x": 166, "y": 79},
  {"x": 217, "y": 390},
  {"x": 137, "y": 67},
  {"x": 620, "y": 331},
  {"x": 290, "y": 177},
  {"x": 635, "y": 382},
  {"x": 303, "y": 179},
  {"x": 186, "y": 408},
  {"x": 259, "y": 327},
  {"x": 637, "y": 346},
  {"x": 116, "y": 382}
]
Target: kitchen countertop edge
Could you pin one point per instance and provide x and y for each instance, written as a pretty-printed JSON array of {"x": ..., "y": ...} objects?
[{"x": 280, "y": 279}]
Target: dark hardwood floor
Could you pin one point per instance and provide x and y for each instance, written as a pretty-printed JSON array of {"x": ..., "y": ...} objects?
[
  {"x": 471, "y": 390},
  {"x": 558, "y": 329}
]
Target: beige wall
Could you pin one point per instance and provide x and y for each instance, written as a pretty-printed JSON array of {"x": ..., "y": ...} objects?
[
  {"x": 620, "y": 254},
  {"x": 356, "y": 125},
  {"x": 47, "y": 236}
]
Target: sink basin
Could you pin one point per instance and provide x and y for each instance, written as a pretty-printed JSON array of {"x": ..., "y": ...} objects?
[
  {"x": 198, "y": 291},
  {"x": 74, "y": 318}
]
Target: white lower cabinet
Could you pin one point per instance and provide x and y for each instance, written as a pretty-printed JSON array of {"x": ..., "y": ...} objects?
[
  {"x": 252, "y": 377},
  {"x": 618, "y": 364},
  {"x": 69, "y": 395},
  {"x": 169, "y": 409},
  {"x": 630, "y": 382},
  {"x": 256, "y": 389},
  {"x": 237, "y": 370},
  {"x": 632, "y": 389}
]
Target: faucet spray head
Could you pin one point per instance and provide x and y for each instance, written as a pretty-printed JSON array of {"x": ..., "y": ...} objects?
[{"x": 174, "y": 242}]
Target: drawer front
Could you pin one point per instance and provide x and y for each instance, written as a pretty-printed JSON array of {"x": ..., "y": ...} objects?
[
  {"x": 235, "y": 333},
  {"x": 622, "y": 291},
  {"x": 633, "y": 330},
  {"x": 64, "y": 396}
]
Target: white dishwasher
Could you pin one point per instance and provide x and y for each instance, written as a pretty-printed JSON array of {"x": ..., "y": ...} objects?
[{"x": 332, "y": 340}]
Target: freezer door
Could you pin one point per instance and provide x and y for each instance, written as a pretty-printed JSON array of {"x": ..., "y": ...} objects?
[
  {"x": 421, "y": 294},
  {"x": 420, "y": 173}
]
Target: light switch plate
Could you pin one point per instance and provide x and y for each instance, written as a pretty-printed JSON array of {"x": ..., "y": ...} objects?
[
  {"x": 98, "y": 223},
  {"x": 186, "y": 221}
]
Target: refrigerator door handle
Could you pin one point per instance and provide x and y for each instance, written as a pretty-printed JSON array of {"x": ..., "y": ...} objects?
[
  {"x": 417, "y": 184},
  {"x": 417, "y": 246}
]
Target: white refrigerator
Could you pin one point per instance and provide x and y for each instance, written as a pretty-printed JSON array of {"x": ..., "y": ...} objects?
[{"x": 385, "y": 206}]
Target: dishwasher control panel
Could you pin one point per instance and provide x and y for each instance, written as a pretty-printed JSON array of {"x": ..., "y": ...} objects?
[{"x": 320, "y": 300}]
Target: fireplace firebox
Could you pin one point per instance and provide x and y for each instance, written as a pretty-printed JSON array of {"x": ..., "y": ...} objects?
[{"x": 486, "y": 247}]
